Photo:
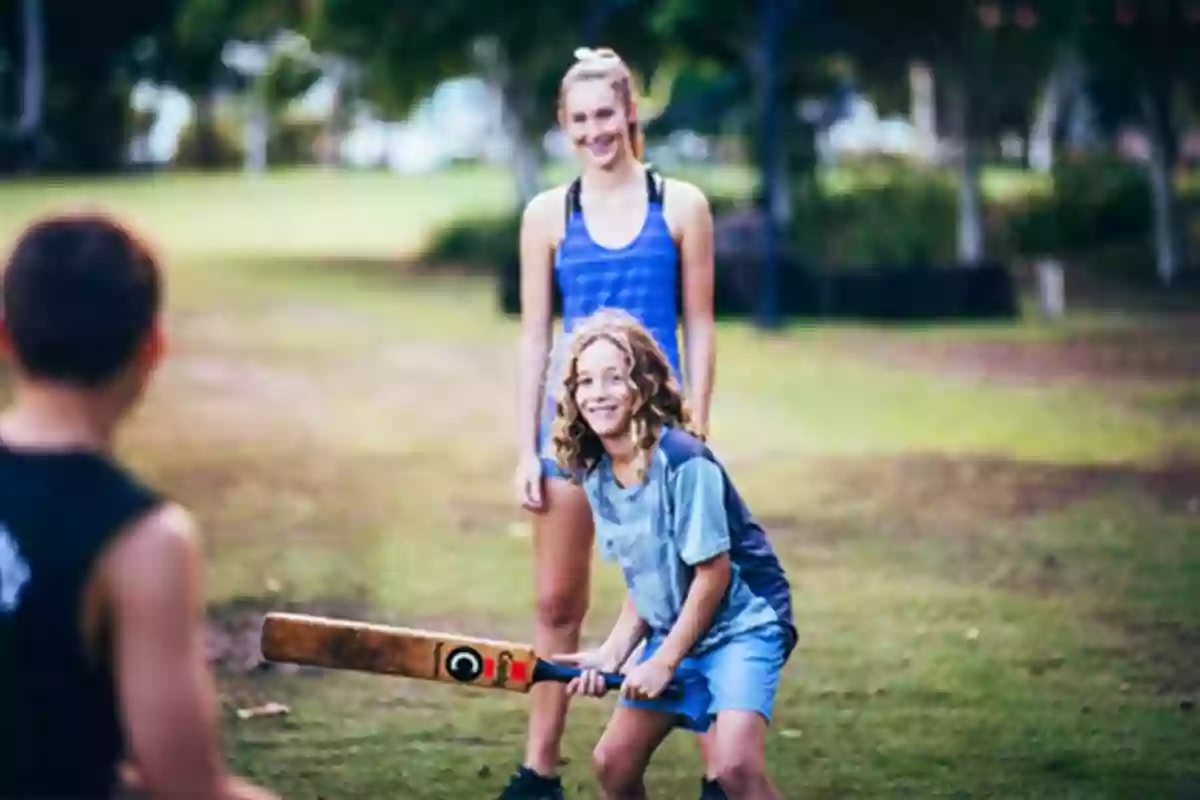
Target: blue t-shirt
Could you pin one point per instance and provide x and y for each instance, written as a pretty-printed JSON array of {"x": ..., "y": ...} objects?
[{"x": 687, "y": 511}]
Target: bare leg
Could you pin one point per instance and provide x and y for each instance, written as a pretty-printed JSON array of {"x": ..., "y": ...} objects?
[
  {"x": 705, "y": 742},
  {"x": 562, "y": 538},
  {"x": 736, "y": 748},
  {"x": 621, "y": 756}
]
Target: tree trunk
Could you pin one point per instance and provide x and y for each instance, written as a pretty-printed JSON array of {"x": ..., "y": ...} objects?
[
  {"x": 772, "y": 156},
  {"x": 257, "y": 132},
  {"x": 969, "y": 168},
  {"x": 207, "y": 154},
  {"x": 526, "y": 166},
  {"x": 923, "y": 106},
  {"x": 33, "y": 83},
  {"x": 970, "y": 204},
  {"x": 1061, "y": 87},
  {"x": 516, "y": 111},
  {"x": 1164, "y": 148}
]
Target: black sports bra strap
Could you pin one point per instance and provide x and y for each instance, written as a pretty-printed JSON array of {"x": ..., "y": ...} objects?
[
  {"x": 573, "y": 198},
  {"x": 652, "y": 188}
]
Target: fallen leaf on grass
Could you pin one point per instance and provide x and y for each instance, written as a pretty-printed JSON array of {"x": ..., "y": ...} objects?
[{"x": 267, "y": 710}]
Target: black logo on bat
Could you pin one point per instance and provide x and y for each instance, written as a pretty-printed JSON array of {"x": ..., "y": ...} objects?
[{"x": 464, "y": 664}]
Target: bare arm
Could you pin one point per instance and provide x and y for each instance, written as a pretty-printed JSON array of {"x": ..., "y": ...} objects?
[
  {"x": 698, "y": 271},
  {"x": 708, "y": 587},
  {"x": 168, "y": 702},
  {"x": 536, "y": 318},
  {"x": 627, "y": 632}
]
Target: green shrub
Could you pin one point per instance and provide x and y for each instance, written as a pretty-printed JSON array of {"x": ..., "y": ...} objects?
[
  {"x": 477, "y": 241},
  {"x": 907, "y": 218},
  {"x": 227, "y": 150},
  {"x": 1100, "y": 201},
  {"x": 293, "y": 142},
  {"x": 885, "y": 215},
  {"x": 290, "y": 142}
]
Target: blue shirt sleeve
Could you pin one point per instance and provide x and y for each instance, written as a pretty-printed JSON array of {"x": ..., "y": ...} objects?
[{"x": 701, "y": 524}]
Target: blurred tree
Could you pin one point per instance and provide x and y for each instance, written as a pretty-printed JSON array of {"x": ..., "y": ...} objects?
[
  {"x": 1143, "y": 56},
  {"x": 408, "y": 48},
  {"x": 33, "y": 82},
  {"x": 774, "y": 53},
  {"x": 94, "y": 58},
  {"x": 75, "y": 64},
  {"x": 191, "y": 43},
  {"x": 986, "y": 56}
]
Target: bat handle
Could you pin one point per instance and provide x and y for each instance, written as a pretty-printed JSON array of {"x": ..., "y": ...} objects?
[{"x": 560, "y": 673}]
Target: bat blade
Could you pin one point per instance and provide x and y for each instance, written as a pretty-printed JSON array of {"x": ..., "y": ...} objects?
[
  {"x": 392, "y": 650},
  {"x": 412, "y": 653}
]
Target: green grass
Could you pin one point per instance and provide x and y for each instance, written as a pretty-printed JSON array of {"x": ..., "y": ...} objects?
[{"x": 995, "y": 578}]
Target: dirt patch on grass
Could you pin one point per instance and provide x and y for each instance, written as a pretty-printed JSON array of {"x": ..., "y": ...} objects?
[
  {"x": 929, "y": 493},
  {"x": 1161, "y": 656},
  {"x": 1159, "y": 354},
  {"x": 233, "y": 629}
]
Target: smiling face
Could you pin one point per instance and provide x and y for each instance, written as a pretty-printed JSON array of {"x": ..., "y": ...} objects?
[
  {"x": 596, "y": 123},
  {"x": 597, "y": 113},
  {"x": 618, "y": 390},
  {"x": 603, "y": 390}
]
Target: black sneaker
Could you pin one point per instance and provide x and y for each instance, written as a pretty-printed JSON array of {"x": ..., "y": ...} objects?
[
  {"x": 711, "y": 790},
  {"x": 526, "y": 784}
]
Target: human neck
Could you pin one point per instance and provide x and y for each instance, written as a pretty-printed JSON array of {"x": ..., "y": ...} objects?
[
  {"x": 627, "y": 460},
  {"x": 621, "y": 451},
  {"x": 46, "y": 417},
  {"x": 623, "y": 173}
]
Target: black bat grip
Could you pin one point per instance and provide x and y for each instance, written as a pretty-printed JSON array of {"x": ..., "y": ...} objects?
[{"x": 560, "y": 673}]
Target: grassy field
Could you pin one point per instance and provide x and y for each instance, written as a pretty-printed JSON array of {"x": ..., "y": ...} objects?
[{"x": 993, "y": 531}]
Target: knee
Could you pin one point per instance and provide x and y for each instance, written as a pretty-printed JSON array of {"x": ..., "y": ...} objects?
[
  {"x": 614, "y": 769},
  {"x": 563, "y": 608},
  {"x": 740, "y": 774}
]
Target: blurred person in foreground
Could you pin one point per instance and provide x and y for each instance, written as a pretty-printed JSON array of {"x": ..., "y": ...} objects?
[
  {"x": 102, "y": 661},
  {"x": 705, "y": 590},
  {"x": 621, "y": 236}
]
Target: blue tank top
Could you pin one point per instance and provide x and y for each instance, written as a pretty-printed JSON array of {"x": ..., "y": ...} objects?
[{"x": 641, "y": 278}]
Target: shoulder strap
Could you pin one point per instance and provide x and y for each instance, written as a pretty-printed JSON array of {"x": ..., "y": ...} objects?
[
  {"x": 653, "y": 188},
  {"x": 572, "y": 199}
]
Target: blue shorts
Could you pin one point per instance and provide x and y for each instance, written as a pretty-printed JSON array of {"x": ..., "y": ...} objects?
[
  {"x": 740, "y": 675},
  {"x": 550, "y": 467}
]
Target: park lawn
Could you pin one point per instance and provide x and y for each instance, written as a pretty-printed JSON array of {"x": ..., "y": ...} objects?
[{"x": 995, "y": 577}]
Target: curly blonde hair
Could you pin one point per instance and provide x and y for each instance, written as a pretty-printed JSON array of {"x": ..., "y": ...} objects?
[{"x": 657, "y": 397}]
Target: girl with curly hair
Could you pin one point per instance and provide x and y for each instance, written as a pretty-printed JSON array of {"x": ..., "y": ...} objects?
[{"x": 705, "y": 590}]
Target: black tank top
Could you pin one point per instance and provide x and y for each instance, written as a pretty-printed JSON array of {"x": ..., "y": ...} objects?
[{"x": 60, "y": 734}]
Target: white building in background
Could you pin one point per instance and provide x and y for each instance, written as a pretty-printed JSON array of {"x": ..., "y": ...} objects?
[
  {"x": 173, "y": 112},
  {"x": 459, "y": 120},
  {"x": 863, "y": 131}
]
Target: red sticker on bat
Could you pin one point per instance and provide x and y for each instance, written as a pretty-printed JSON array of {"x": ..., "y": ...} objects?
[
  {"x": 518, "y": 670},
  {"x": 489, "y": 667}
]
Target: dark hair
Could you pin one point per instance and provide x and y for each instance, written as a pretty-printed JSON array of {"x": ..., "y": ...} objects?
[{"x": 80, "y": 294}]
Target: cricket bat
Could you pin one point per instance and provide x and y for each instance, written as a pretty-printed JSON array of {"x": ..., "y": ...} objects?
[{"x": 414, "y": 653}]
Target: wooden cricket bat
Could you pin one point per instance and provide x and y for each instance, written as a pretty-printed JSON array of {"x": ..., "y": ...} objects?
[{"x": 413, "y": 653}]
